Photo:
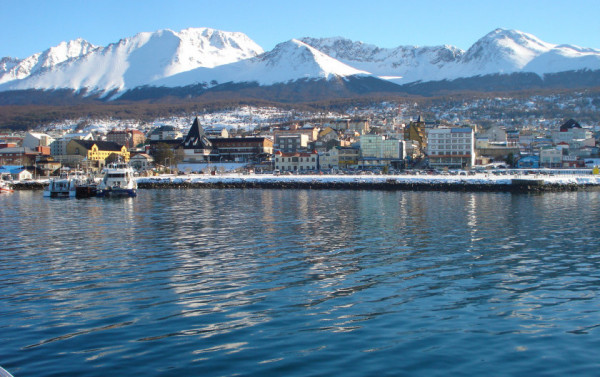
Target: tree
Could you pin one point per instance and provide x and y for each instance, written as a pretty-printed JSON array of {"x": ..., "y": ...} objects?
[
  {"x": 510, "y": 160},
  {"x": 163, "y": 154}
]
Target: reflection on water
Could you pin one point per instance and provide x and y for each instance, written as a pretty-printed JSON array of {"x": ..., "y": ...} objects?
[{"x": 300, "y": 282}]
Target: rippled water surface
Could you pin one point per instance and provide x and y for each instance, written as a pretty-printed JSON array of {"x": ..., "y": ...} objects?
[{"x": 300, "y": 283}]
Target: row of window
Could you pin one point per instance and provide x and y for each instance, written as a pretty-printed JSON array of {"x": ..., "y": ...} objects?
[
  {"x": 448, "y": 141},
  {"x": 290, "y": 168},
  {"x": 452, "y": 135},
  {"x": 295, "y": 159},
  {"x": 448, "y": 147},
  {"x": 450, "y": 152}
]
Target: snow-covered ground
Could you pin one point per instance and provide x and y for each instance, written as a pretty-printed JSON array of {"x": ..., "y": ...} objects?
[
  {"x": 243, "y": 117},
  {"x": 416, "y": 179}
]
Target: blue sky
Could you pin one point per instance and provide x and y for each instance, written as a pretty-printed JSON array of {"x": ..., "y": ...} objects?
[{"x": 30, "y": 26}]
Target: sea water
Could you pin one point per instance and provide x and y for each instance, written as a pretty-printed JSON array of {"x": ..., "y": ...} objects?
[{"x": 300, "y": 283}]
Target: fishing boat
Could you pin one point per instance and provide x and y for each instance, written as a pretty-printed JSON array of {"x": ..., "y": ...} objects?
[{"x": 118, "y": 181}]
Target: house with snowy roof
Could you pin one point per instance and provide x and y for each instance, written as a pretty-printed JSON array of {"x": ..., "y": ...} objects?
[
  {"x": 20, "y": 174},
  {"x": 569, "y": 131},
  {"x": 165, "y": 133},
  {"x": 33, "y": 140}
]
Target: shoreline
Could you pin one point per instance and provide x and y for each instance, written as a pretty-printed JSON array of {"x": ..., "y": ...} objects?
[
  {"x": 385, "y": 183},
  {"x": 473, "y": 183}
]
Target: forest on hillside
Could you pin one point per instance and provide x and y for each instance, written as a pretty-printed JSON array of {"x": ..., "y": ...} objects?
[{"x": 482, "y": 108}]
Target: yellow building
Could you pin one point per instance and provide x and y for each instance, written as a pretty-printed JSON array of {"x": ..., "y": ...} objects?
[{"x": 96, "y": 150}]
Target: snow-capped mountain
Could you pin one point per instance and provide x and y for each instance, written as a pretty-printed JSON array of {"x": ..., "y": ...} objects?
[
  {"x": 501, "y": 51},
  {"x": 16, "y": 69},
  {"x": 406, "y": 63},
  {"x": 288, "y": 61},
  {"x": 138, "y": 60},
  {"x": 205, "y": 58},
  {"x": 508, "y": 51}
]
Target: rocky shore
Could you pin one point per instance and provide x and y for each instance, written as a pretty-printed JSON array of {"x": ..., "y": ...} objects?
[
  {"x": 388, "y": 186},
  {"x": 388, "y": 183}
]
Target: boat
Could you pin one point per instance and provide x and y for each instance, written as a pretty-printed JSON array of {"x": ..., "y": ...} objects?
[
  {"x": 118, "y": 181},
  {"x": 5, "y": 187},
  {"x": 64, "y": 187},
  {"x": 4, "y": 373}
]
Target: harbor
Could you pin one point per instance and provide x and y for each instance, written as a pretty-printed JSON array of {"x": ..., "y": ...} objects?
[{"x": 434, "y": 182}]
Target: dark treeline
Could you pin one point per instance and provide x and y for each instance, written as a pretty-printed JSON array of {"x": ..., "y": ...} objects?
[{"x": 34, "y": 114}]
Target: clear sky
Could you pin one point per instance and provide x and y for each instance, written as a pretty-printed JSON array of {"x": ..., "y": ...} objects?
[{"x": 30, "y": 26}]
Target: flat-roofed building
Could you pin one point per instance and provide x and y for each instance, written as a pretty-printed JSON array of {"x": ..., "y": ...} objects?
[
  {"x": 299, "y": 161},
  {"x": 451, "y": 147}
]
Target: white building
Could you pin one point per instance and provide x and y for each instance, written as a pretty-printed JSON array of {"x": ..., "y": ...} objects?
[
  {"x": 33, "y": 140},
  {"x": 330, "y": 159},
  {"x": 142, "y": 161},
  {"x": 495, "y": 134},
  {"x": 378, "y": 152},
  {"x": 551, "y": 157},
  {"x": 451, "y": 147},
  {"x": 571, "y": 134},
  {"x": 378, "y": 146},
  {"x": 59, "y": 146},
  {"x": 296, "y": 161},
  {"x": 165, "y": 133}
]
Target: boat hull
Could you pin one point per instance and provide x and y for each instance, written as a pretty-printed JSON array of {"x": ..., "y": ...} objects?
[
  {"x": 59, "y": 194},
  {"x": 5, "y": 187},
  {"x": 117, "y": 193},
  {"x": 86, "y": 191}
]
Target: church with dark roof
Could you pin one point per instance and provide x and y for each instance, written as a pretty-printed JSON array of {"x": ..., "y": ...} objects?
[{"x": 197, "y": 147}]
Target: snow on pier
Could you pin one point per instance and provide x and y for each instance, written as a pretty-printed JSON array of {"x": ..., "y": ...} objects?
[{"x": 451, "y": 182}]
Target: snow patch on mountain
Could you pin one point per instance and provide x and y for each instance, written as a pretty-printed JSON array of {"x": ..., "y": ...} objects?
[
  {"x": 408, "y": 63},
  {"x": 288, "y": 61},
  {"x": 135, "y": 61},
  {"x": 500, "y": 51},
  {"x": 16, "y": 69},
  {"x": 210, "y": 57}
]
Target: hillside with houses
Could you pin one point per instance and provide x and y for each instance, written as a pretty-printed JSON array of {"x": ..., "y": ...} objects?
[{"x": 279, "y": 141}]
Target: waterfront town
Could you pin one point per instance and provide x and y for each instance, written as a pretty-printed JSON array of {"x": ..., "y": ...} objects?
[{"x": 325, "y": 146}]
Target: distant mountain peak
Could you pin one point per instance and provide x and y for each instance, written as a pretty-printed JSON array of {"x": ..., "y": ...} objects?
[
  {"x": 287, "y": 62},
  {"x": 300, "y": 56},
  {"x": 15, "y": 69},
  {"x": 209, "y": 57},
  {"x": 130, "y": 62}
]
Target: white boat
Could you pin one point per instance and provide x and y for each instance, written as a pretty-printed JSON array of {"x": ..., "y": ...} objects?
[
  {"x": 4, "y": 186},
  {"x": 118, "y": 181},
  {"x": 64, "y": 187},
  {"x": 4, "y": 373}
]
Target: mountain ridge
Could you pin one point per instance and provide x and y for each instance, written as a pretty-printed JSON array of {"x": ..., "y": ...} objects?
[
  {"x": 204, "y": 58},
  {"x": 137, "y": 60}
]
